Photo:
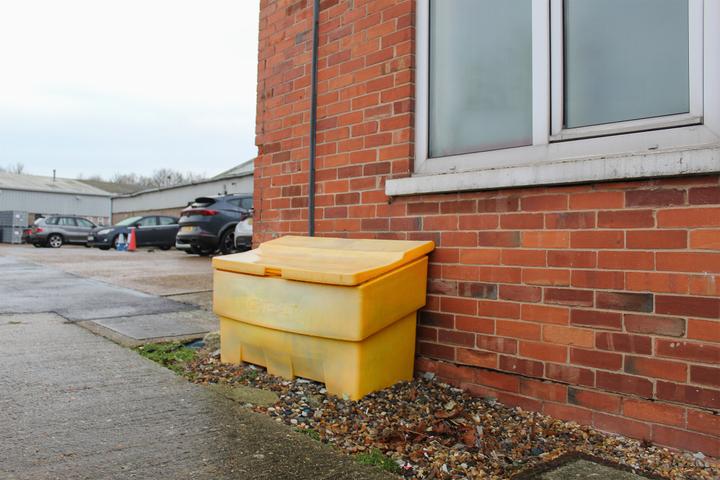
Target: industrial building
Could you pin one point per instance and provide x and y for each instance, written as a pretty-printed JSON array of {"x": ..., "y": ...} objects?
[
  {"x": 171, "y": 200},
  {"x": 42, "y": 196}
]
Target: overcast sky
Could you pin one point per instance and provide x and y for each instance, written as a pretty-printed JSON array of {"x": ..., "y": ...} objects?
[{"x": 99, "y": 86}]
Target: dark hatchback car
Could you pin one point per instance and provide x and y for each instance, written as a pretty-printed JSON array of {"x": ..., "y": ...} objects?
[
  {"x": 150, "y": 231},
  {"x": 208, "y": 224}
]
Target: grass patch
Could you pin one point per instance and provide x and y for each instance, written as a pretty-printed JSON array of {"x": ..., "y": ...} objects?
[
  {"x": 172, "y": 355},
  {"x": 376, "y": 458}
]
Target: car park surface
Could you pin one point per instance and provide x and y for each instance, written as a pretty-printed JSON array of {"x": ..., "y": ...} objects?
[{"x": 147, "y": 270}]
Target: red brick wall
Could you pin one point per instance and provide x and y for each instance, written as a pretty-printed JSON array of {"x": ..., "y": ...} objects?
[{"x": 597, "y": 303}]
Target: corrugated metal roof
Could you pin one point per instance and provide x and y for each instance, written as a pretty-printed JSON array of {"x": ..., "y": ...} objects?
[
  {"x": 112, "y": 187},
  {"x": 244, "y": 168},
  {"x": 37, "y": 183}
]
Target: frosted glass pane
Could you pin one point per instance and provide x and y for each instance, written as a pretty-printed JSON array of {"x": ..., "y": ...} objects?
[
  {"x": 480, "y": 75},
  {"x": 625, "y": 60}
]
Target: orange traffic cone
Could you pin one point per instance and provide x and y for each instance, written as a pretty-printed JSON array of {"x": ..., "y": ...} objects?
[{"x": 131, "y": 241}]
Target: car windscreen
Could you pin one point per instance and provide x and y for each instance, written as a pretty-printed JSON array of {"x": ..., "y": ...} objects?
[{"x": 128, "y": 221}]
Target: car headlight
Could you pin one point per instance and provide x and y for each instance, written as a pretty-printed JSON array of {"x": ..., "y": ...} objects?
[{"x": 103, "y": 232}]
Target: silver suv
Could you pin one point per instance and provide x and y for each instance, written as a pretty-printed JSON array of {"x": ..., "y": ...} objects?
[{"x": 57, "y": 230}]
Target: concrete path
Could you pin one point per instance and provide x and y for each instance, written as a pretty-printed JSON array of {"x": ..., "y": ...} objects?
[{"x": 77, "y": 406}]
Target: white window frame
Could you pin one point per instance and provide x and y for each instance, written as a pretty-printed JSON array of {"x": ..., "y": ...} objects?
[{"x": 670, "y": 145}]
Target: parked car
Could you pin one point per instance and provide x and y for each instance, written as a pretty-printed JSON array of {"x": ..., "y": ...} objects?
[
  {"x": 150, "y": 231},
  {"x": 208, "y": 224},
  {"x": 56, "y": 230},
  {"x": 244, "y": 232}
]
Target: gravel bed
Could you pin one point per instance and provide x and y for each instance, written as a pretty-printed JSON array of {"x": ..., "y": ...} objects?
[{"x": 434, "y": 431}]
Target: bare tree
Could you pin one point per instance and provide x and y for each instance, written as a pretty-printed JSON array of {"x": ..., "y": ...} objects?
[
  {"x": 164, "y": 177},
  {"x": 17, "y": 169},
  {"x": 126, "y": 178}
]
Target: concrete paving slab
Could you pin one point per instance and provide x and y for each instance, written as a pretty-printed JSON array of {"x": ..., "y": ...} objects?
[
  {"x": 163, "y": 325},
  {"x": 578, "y": 465},
  {"x": 585, "y": 469},
  {"x": 75, "y": 406},
  {"x": 201, "y": 299}
]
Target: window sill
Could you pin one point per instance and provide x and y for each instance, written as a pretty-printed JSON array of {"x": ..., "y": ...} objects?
[{"x": 659, "y": 163}]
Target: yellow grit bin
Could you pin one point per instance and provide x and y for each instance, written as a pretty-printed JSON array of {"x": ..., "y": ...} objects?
[{"x": 339, "y": 311}]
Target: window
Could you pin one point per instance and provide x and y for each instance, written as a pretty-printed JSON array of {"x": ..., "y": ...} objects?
[
  {"x": 84, "y": 223},
  {"x": 521, "y": 92},
  {"x": 148, "y": 222},
  {"x": 66, "y": 221},
  {"x": 625, "y": 65},
  {"x": 167, "y": 221},
  {"x": 480, "y": 97},
  {"x": 129, "y": 221},
  {"x": 246, "y": 203},
  {"x": 625, "y": 60}
]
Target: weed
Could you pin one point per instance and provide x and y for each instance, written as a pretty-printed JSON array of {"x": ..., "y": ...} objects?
[
  {"x": 249, "y": 374},
  {"x": 171, "y": 355},
  {"x": 309, "y": 432},
  {"x": 376, "y": 458}
]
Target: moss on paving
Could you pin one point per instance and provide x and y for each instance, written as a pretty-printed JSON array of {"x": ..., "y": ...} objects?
[
  {"x": 172, "y": 355},
  {"x": 376, "y": 458}
]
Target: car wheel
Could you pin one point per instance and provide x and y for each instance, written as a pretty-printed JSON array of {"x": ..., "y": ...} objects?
[
  {"x": 55, "y": 241},
  {"x": 114, "y": 242},
  {"x": 227, "y": 242},
  {"x": 104, "y": 248},
  {"x": 166, "y": 247}
]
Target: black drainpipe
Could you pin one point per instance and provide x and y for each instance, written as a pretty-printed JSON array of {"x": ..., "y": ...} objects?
[{"x": 313, "y": 118}]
